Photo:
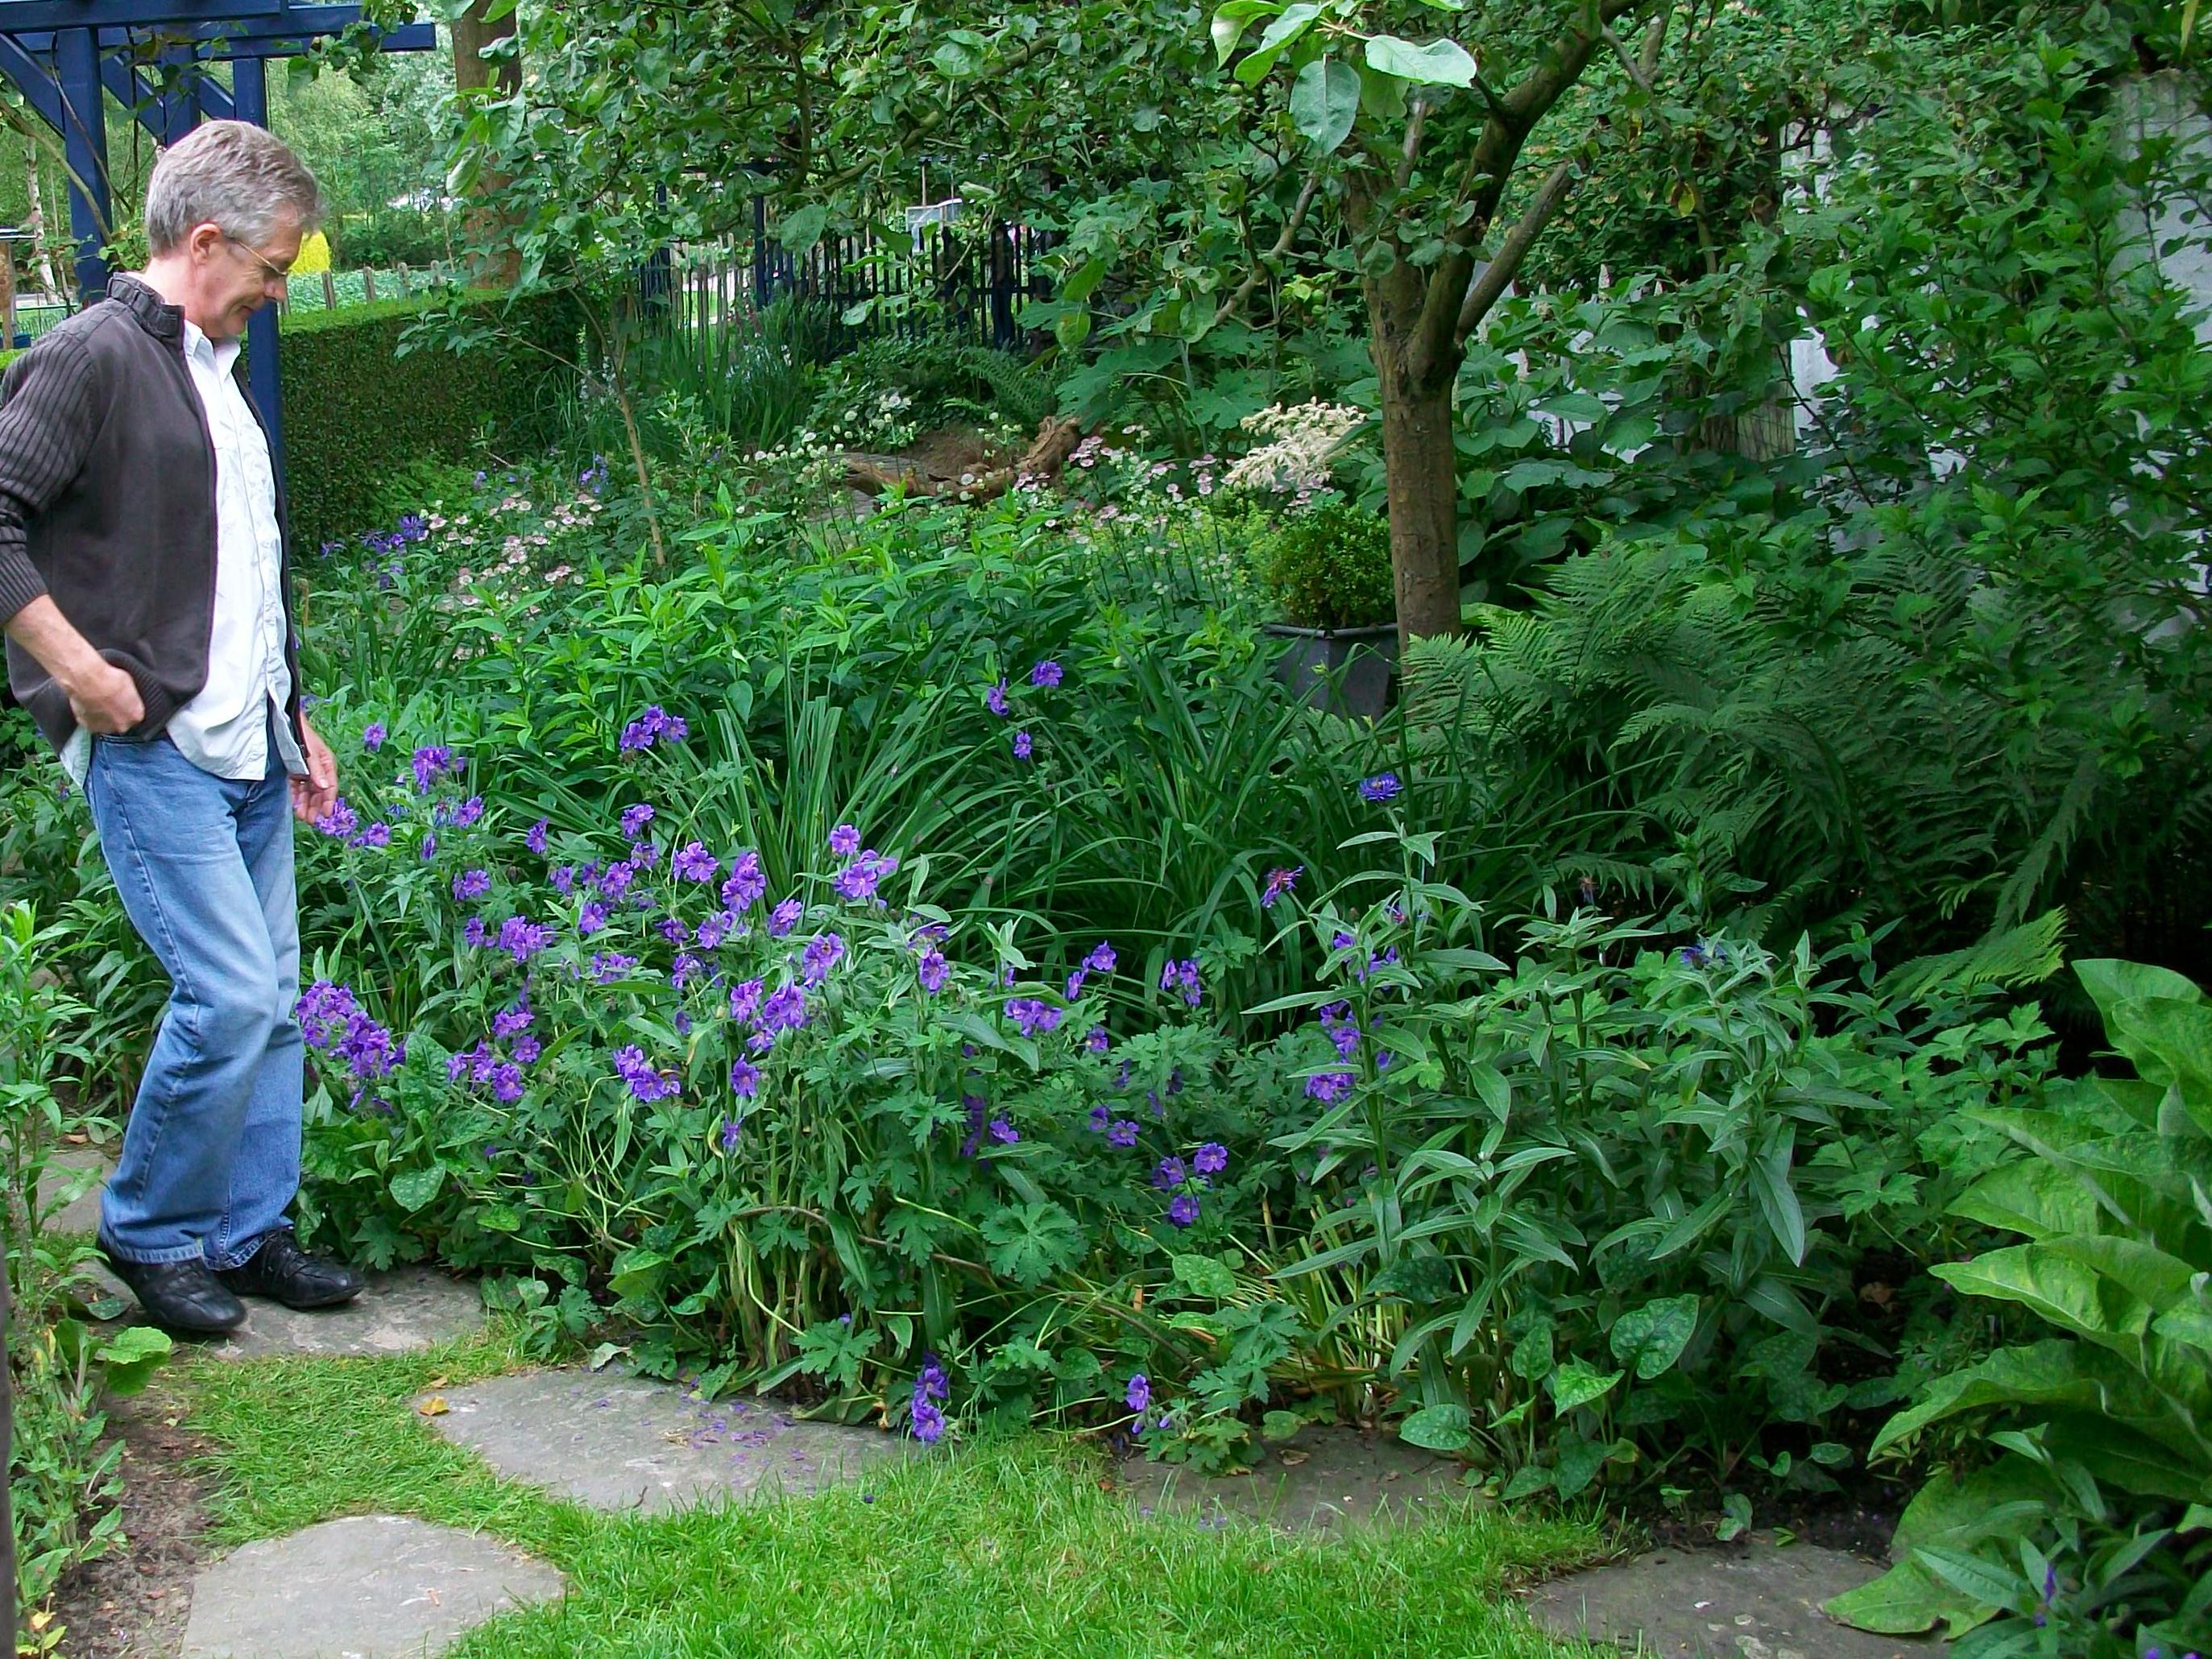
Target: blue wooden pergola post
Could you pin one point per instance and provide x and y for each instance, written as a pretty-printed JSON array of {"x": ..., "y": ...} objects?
[
  {"x": 84, "y": 141},
  {"x": 249, "y": 95}
]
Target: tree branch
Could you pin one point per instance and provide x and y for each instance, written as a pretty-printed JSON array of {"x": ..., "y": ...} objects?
[
  {"x": 1499, "y": 275},
  {"x": 1291, "y": 226},
  {"x": 1412, "y": 147}
]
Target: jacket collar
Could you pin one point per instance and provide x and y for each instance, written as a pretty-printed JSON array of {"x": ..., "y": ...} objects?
[{"x": 164, "y": 321}]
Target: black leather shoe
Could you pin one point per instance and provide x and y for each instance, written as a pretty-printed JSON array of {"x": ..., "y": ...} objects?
[
  {"x": 283, "y": 1272},
  {"x": 182, "y": 1296}
]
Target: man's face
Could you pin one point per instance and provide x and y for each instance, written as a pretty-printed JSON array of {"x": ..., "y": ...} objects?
[{"x": 240, "y": 277}]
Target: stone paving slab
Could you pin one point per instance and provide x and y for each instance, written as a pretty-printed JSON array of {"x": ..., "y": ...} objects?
[
  {"x": 1326, "y": 1479},
  {"x": 402, "y": 1311},
  {"x": 1762, "y": 1603},
  {"x": 63, "y": 1170},
  {"x": 618, "y": 1442},
  {"x": 369, "y": 1587}
]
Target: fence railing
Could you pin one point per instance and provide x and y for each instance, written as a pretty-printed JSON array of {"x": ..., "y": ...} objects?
[{"x": 326, "y": 290}]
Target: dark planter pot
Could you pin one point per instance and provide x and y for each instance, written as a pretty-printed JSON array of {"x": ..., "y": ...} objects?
[{"x": 1349, "y": 671}]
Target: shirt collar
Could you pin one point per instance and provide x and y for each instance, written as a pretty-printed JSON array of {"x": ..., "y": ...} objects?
[{"x": 218, "y": 355}]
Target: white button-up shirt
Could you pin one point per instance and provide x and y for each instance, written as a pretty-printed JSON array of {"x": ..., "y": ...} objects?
[{"x": 225, "y": 729}]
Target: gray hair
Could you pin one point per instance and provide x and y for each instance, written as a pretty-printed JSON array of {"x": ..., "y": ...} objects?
[{"x": 234, "y": 174}]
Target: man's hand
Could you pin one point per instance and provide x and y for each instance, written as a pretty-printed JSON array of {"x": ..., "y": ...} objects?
[
  {"x": 105, "y": 699},
  {"x": 314, "y": 795}
]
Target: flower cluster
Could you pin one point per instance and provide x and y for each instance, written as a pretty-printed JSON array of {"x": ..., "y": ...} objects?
[
  {"x": 655, "y": 726},
  {"x": 1301, "y": 442},
  {"x": 331, "y": 1022},
  {"x": 930, "y": 1389},
  {"x": 1183, "y": 976},
  {"x": 645, "y": 1081}
]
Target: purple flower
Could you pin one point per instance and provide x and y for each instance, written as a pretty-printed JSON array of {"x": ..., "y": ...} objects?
[
  {"x": 822, "y": 954},
  {"x": 643, "y": 853},
  {"x": 1074, "y": 987},
  {"x": 1023, "y": 748},
  {"x": 1099, "y": 1114},
  {"x": 1101, "y": 960},
  {"x": 507, "y": 1083},
  {"x": 341, "y": 821},
  {"x": 477, "y": 933},
  {"x": 732, "y": 1126},
  {"x": 1123, "y": 1133},
  {"x": 377, "y": 835},
  {"x": 373, "y": 736},
  {"x": 1183, "y": 1210},
  {"x": 1004, "y": 1132},
  {"x": 714, "y": 929},
  {"x": 1035, "y": 1018},
  {"x": 928, "y": 1422},
  {"x": 784, "y": 1011},
  {"x": 429, "y": 848},
  {"x": 653, "y": 726},
  {"x": 673, "y": 929},
  {"x": 512, "y": 1021},
  {"x": 563, "y": 879},
  {"x": 615, "y": 880},
  {"x": 693, "y": 862},
  {"x": 746, "y": 883},
  {"x": 1210, "y": 1159},
  {"x": 526, "y": 1049},
  {"x": 523, "y": 938},
  {"x": 785, "y": 917},
  {"x": 634, "y": 820},
  {"x": 1139, "y": 1394},
  {"x": 685, "y": 967},
  {"x": 995, "y": 699},
  {"x": 744, "y": 1078},
  {"x": 1183, "y": 975},
  {"x": 535, "y": 839},
  {"x": 470, "y": 884},
  {"x": 1381, "y": 786},
  {"x": 1096, "y": 1040},
  {"x": 1046, "y": 673},
  {"x": 460, "y": 816},
  {"x": 590, "y": 918},
  {"x": 1170, "y": 1173},
  {"x": 1328, "y": 1087},
  {"x": 608, "y": 966},
  {"x": 431, "y": 762},
  {"x": 1279, "y": 881},
  {"x": 844, "y": 841},
  {"x": 745, "y": 1001},
  {"x": 857, "y": 882},
  {"x": 646, "y": 1083}
]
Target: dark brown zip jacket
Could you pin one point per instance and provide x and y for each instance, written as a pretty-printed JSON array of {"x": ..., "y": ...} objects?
[{"x": 107, "y": 503}]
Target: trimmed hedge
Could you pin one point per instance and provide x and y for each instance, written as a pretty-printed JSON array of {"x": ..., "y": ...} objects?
[{"x": 356, "y": 412}]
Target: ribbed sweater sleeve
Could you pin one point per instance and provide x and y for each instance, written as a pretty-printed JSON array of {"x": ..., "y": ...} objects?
[{"x": 47, "y": 426}]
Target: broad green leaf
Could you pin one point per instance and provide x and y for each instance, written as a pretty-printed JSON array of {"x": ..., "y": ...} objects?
[
  {"x": 1527, "y": 1480},
  {"x": 1229, "y": 23},
  {"x": 1278, "y": 1426},
  {"x": 417, "y": 1187},
  {"x": 1981, "y": 1582},
  {"x": 131, "y": 1357},
  {"x": 1577, "y": 1464},
  {"x": 2060, "y": 1289},
  {"x": 1576, "y": 1383},
  {"x": 2031, "y": 1197},
  {"x": 1438, "y": 64},
  {"x": 1532, "y": 1354},
  {"x": 1325, "y": 101},
  {"x": 1204, "y": 1276},
  {"x": 1437, "y": 1428},
  {"x": 1280, "y": 35},
  {"x": 2144, "y": 1271},
  {"x": 2111, "y": 981},
  {"x": 802, "y": 228},
  {"x": 1651, "y": 1338},
  {"x": 2043, "y": 1374},
  {"x": 1905, "y": 1601},
  {"x": 954, "y": 61}
]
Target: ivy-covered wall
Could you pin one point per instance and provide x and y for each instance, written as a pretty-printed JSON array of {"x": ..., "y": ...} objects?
[{"x": 358, "y": 410}]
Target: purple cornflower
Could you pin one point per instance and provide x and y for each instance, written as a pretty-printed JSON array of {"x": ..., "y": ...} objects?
[
  {"x": 995, "y": 699},
  {"x": 1210, "y": 1159},
  {"x": 341, "y": 821},
  {"x": 1139, "y": 1393},
  {"x": 563, "y": 880},
  {"x": 1047, "y": 673},
  {"x": 1170, "y": 1173},
  {"x": 928, "y": 1422},
  {"x": 673, "y": 929},
  {"x": 654, "y": 726},
  {"x": 745, "y": 1001},
  {"x": 1004, "y": 1132},
  {"x": 590, "y": 918},
  {"x": 732, "y": 1126},
  {"x": 1328, "y": 1087},
  {"x": 714, "y": 929},
  {"x": 1023, "y": 747},
  {"x": 523, "y": 938},
  {"x": 470, "y": 884},
  {"x": 373, "y": 736},
  {"x": 526, "y": 1048},
  {"x": 1035, "y": 1018},
  {"x": 785, "y": 917},
  {"x": 507, "y": 1083},
  {"x": 1182, "y": 976},
  {"x": 1101, "y": 959},
  {"x": 634, "y": 820},
  {"x": 822, "y": 951},
  {"x": 1381, "y": 786},
  {"x": 377, "y": 835},
  {"x": 608, "y": 966},
  {"x": 432, "y": 762},
  {"x": 477, "y": 934},
  {"x": 1096, "y": 1040},
  {"x": 1123, "y": 1133},
  {"x": 932, "y": 970},
  {"x": 693, "y": 862},
  {"x": 784, "y": 1011},
  {"x": 746, "y": 883},
  {"x": 615, "y": 880},
  {"x": 844, "y": 841},
  {"x": 534, "y": 839},
  {"x": 744, "y": 1078},
  {"x": 1279, "y": 881},
  {"x": 1183, "y": 1210},
  {"x": 646, "y": 1082},
  {"x": 857, "y": 882},
  {"x": 512, "y": 1021}
]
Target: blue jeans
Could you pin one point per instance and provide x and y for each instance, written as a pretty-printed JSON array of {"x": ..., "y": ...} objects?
[{"x": 211, "y": 1155}]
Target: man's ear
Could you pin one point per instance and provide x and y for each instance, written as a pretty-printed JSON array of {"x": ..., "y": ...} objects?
[{"x": 204, "y": 239}]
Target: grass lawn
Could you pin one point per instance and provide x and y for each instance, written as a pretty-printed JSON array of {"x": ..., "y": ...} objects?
[{"x": 1008, "y": 1546}]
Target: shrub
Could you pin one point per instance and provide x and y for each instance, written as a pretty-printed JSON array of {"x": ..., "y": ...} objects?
[
  {"x": 1330, "y": 566},
  {"x": 361, "y": 402}
]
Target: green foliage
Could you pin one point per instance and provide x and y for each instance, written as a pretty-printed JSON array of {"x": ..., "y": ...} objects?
[
  {"x": 2092, "y": 1534},
  {"x": 942, "y": 382},
  {"x": 363, "y": 399},
  {"x": 1331, "y": 568}
]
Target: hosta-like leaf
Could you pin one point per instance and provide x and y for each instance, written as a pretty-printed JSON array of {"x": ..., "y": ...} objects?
[
  {"x": 1575, "y": 1384},
  {"x": 1204, "y": 1276},
  {"x": 2042, "y": 1374},
  {"x": 2060, "y": 1289},
  {"x": 1435, "y": 63},
  {"x": 1325, "y": 101},
  {"x": 417, "y": 1187},
  {"x": 1437, "y": 1428},
  {"x": 1651, "y": 1338},
  {"x": 2030, "y": 1197}
]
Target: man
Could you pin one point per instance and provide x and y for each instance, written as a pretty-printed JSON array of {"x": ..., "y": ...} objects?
[{"x": 146, "y": 591}]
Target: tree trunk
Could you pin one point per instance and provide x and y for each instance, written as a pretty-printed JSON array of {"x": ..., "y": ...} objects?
[
  {"x": 473, "y": 73},
  {"x": 34, "y": 220},
  {"x": 1419, "y": 463}
]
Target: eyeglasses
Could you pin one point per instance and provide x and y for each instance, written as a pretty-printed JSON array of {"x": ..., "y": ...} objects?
[{"x": 271, "y": 270}]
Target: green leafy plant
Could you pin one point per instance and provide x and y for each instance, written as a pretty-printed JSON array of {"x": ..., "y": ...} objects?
[
  {"x": 1330, "y": 568},
  {"x": 2092, "y": 1533}
]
